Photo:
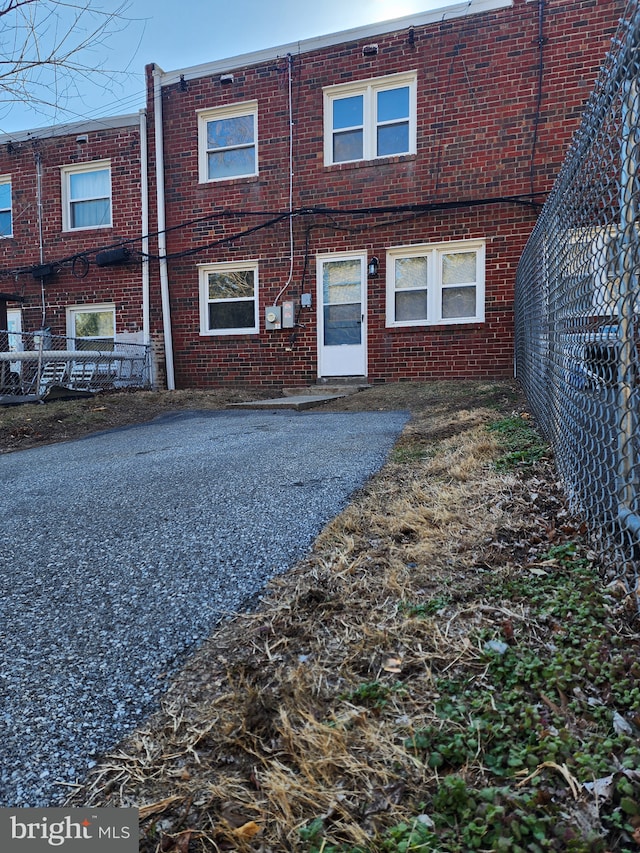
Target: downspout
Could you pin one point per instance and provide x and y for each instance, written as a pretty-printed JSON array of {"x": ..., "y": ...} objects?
[
  {"x": 38, "y": 158},
  {"x": 162, "y": 236},
  {"x": 144, "y": 209},
  {"x": 291, "y": 245}
]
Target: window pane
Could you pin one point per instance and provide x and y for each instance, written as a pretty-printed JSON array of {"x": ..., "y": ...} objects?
[
  {"x": 458, "y": 302},
  {"x": 101, "y": 344},
  {"x": 85, "y": 214},
  {"x": 348, "y": 112},
  {"x": 231, "y": 315},
  {"x": 5, "y": 196},
  {"x": 94, "y": 324},
  {"x": 347, "y": 146},
  {"x": 411, "y": 272},
  {"x": 234, "y": 163},
  {"x": 231, "y": 285},
  {"x": 225, "y": 132},
  {"x": 342, "y": 324},
  {"x": 459, "y": 268},
  {"x": 341, "y": 282},
  {"x": 5, "y": 224},
  {"x": 85, "y": 185},
  {"x": 393, "y": 139},
  {"x": 393, "y": 104},
  {"x": 411, "y": 305}
]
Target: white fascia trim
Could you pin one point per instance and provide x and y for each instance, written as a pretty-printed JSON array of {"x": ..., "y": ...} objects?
[
  {"x": 459, "y": 10},
  {"x": 108, "y": 123}
]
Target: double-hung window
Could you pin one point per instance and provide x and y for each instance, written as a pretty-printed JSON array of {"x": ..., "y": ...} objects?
[
  {"x": 229, "y": 298},
  {"x": 370, "y": 119},
  {"x": 436, "y": 284},
  {"x": 86, "y": 196},
  {"x": 6, "y": 215},
  {"x": 228, "y": 142}
]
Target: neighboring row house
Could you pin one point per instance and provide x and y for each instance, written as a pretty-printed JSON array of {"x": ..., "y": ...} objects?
[
  {"x": 71, "y": 200},
  {"x": 352, "y": 205}
]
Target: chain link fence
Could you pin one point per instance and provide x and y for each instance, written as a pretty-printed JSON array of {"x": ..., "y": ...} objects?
[
  {"x": 41, "y": 366},
  {"x": 577, "y": 310}
]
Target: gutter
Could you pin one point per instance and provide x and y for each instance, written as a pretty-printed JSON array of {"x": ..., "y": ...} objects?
[{"x": 162, "y": 236}]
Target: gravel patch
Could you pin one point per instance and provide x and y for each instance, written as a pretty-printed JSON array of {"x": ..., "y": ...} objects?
[{"x": 123, "y": 551}]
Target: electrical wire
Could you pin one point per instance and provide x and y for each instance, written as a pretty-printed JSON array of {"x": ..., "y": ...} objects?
[{"x": 79, "y": 261}]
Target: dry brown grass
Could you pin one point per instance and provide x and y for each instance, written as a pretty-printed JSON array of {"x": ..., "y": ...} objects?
[
  {"x": 270, "y": 724},
  {"x": 303, "y": 708}
]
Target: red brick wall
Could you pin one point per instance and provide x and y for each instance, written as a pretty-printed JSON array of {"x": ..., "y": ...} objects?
[
  {"x": 479, "y": 138},
  {"x": 74, "y": 283}
]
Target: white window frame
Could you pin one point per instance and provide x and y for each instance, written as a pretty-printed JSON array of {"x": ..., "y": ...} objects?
[
  {"x": 240, "y": 266},
  {"x": 73, "y": 310},
  {"x": 67, "y": 171},
  {"x": 369, "y": 89},
  {"x": 4, "y": 180},
  {"x": 245, "y": 108},
  {"x": 433, "y": 253}
]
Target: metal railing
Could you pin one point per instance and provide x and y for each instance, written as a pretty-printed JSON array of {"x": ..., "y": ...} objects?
[
  {"x": 577, "y": 309},
  {"x": 40, "y": 365}
]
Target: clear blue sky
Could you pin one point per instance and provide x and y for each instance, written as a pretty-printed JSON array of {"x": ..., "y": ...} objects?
[{"x": 180, "y": 33}]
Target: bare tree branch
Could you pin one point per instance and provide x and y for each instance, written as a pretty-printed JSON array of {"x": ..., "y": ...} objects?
[{"x": 48, "y": 48}]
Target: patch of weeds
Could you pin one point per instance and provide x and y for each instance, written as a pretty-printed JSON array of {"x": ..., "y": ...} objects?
[
  {"x": 427, "y": 608},
  {"x": 520, "y": 441},
  {"x": 572, "y": 703},
  {"x": 414, "y": 837},
  {"x": 409, "y": 454},
  {"x": 372, "y": 694}
]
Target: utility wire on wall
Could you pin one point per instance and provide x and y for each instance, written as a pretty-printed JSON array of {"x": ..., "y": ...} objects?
[{"x": 80, "y": 262}]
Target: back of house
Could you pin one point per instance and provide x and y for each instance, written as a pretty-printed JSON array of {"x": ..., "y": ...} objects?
[{"x": 352, "y": 205}]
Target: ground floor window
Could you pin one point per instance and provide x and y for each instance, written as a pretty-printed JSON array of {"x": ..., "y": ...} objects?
[
  {"x": 91, "y": 326},
  {"x": 229, "y": 298},
  {"x": 436, "y": 284}
]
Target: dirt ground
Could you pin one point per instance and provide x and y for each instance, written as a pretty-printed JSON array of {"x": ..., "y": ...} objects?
[
  {"x": 42, "y": 423},
  {"x": 449, "y": 669}
]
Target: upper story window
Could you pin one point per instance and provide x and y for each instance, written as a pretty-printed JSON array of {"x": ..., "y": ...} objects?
[
  {"x": 6, "y": 215},
  {"x": 86, "y": 196},
  {"x": 228, "y": 142},
  {"x": 229, "y": 298},
  {"x": 370, "y": 119},
  {"x": 436, "y": 284}
]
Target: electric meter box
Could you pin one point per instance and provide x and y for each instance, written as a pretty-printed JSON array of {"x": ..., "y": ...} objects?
[
  {"x": 288, "y": 315},
  {"x": 273, "y": 317}
]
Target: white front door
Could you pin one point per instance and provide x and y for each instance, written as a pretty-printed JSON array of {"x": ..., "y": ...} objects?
[{"x": 342, "y": 310}]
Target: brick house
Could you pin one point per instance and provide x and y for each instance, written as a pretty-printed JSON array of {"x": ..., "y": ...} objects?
[
  {"x": 72, "y": 212},
  {"x": 356, "y": 204},
  {"x": 352, "y": 205}
]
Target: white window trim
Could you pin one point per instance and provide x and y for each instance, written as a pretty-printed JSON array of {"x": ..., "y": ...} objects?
[
  {"x": 6, "y": 179},
  {"x": 203, "y": 273},
  {"x": 244, "y": 108},
  {"x": 90, "y": 166},
  {"x": 434, "y": 293},
  {"x": 369, "y": 88},
  {"x": 72, "y": 310}
]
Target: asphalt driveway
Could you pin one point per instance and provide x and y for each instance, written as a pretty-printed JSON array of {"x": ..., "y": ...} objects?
[{"x": 122, "y": 551}]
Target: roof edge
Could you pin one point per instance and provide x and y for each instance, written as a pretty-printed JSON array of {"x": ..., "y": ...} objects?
[
  {"x": 459, "y": 10},
  {"x": 86, "y": 126}
]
